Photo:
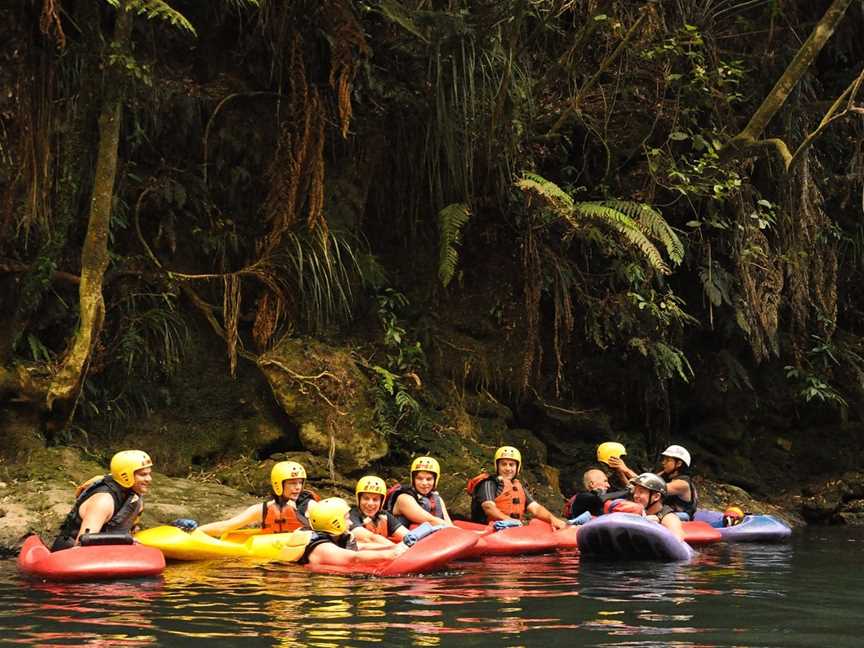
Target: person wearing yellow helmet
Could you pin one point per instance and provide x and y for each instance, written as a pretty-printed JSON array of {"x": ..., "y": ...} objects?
[
  {"x": 332, "y": 545},
  {"x": 284, "y": 513},
  {"x": 503, "y": 497},
  {"x": 369, "y": 519},
  {"x": 419, "y": 502},
  {"x": 108, "y": 503}
]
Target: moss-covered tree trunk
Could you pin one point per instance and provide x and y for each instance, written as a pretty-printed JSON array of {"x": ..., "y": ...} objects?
[
  {"x": 94, "y": 256},
  {"x": 748, "y": 138}
]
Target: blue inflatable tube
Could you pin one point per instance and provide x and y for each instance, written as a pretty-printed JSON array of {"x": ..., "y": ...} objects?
[
  {"x": 754, "y": 528},
  {"x": 622, "y": 536}
]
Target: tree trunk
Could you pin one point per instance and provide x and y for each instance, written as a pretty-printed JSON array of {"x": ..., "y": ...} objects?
[
  {"x": 94, "y": 256},
  {"x": 748, "y": 137}
]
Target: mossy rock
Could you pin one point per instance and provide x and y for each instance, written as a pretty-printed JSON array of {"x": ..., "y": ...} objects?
[{"x": 329, "y": 399}]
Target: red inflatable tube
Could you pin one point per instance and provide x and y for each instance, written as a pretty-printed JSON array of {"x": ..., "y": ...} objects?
[
  {"x": 528, "y": 539},
  {"x": 429, "y": 554},
  {"x": 89, "y": 563},
  {"x": 700, "y": 533}
]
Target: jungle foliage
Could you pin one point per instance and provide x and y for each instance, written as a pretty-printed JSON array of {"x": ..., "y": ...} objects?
[{"x": 248, "y": 169}]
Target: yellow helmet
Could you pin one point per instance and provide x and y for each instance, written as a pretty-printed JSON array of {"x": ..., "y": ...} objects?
[
  {"x": 285, "y": 470},
  {"x": 125, "y": 463},
  {"x": 427, "y": 464},
  {"x": 509, "y": 452},
  {"x": 610, "y": 449},
  {"x": 328, "y": 516},
  {"x": 370, "y": 484}
]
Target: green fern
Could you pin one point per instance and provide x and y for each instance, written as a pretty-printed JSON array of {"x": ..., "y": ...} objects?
[
  {"x": 653, "y": 224},
  {"x": 451, "y": 219},
  {"x": 635, "y": 222},
  {"x": 156, "y": 10},
  {"x": 549, "y": 192}
]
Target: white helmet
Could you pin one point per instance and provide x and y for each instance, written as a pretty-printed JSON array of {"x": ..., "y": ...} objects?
[{"x": 677, "y": 452}]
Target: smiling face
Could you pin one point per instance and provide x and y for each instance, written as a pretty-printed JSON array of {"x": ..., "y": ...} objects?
[
  {"x": 424, "y": 482},
  {"x": 645, "y": 497},
  {"x": 370, "y": 504},
  {"x": 291, "y": 488},
  {"x": 507, "y": 468},
  {"x": 143, "y": 477}
]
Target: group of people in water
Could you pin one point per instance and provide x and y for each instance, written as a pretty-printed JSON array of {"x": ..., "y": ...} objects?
[{"x": 378, "y": 524}]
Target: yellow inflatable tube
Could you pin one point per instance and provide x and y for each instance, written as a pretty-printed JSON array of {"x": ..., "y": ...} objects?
[{"x": 177, "y": 544}]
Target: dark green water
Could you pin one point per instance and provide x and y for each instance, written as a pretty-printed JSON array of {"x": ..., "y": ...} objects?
[{"x": 805, "y": 593}]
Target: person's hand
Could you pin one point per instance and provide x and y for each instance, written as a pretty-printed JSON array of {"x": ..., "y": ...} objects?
[
  {"x": 399, "y": 549},
  {"x": 558, "y": 523},
  {"x": 615, "y": 463}
]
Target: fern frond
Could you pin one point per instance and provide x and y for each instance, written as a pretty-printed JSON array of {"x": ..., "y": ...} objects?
[
  {"x": 155, "y": 9},
  {"x": 626, "y": 227},
  {"x": 549, "y": 192},
  {"x": 451, "y": 219},
  {"x": 653, "y": 225}
]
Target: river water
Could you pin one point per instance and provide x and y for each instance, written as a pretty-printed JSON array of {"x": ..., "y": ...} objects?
[{"x": 808, "y": 592}]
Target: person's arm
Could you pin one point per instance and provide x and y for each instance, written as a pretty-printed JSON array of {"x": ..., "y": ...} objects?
[
  {"x": 329, "y": 554},
  {"x": 673, "y": 523},
  {"x": 407, "y": 507},
  {"x": 617, "y": 464},
  {"x": 446, "y": 516},
  {"x": 492, "y": 511},
  {"x": 250, "y": 516},
  {"x": 542, "y": 513},
  {"x": 680, "y": 488},
  {"x": 369, "y": 539},
  {"x": 95, "y": 512}
]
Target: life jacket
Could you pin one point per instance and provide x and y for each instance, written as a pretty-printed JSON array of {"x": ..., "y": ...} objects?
[
  {"x": 592, "y": 501},
  {"x": 278, "y": 516},
  {"x": 430, "y": 503},
  {"x": 623, "y": 506},
  {"x": 510, "y": 501},
  {"x": 345, "y": 541},
  {"x": 379, "y": 523},
  {"x": 678, "y": 504},
  {"x": 128, "y": 506}
]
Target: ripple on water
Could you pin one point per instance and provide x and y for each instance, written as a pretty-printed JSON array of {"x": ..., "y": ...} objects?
[{"x": 771, "y": 595}]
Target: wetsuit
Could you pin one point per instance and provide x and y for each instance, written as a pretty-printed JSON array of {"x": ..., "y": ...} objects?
[{"x": 592, "y": 502}]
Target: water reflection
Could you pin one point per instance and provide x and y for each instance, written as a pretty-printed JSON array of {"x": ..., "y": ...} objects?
[{"x": 729, "y": 596}]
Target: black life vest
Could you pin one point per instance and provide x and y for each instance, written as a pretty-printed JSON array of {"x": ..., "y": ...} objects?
[
  {"x": 678, "y": 504},
  {"x": 345, "y": 541},
  {"x": 128, "y": 506},
  {"x": 430, "y": 503}
]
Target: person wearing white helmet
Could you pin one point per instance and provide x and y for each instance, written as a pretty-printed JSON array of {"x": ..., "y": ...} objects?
[
  {"x": 108, "y": 503},
  {"x": 675, "y": 470},
  {"x": 283, "y": 513}
]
